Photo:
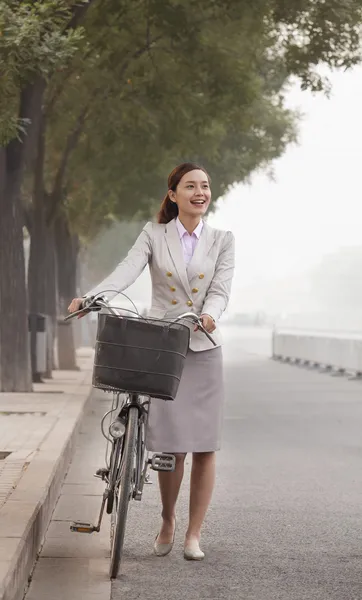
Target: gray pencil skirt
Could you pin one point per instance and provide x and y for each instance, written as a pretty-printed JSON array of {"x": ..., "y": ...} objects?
[{"x": 193, "y": 421}]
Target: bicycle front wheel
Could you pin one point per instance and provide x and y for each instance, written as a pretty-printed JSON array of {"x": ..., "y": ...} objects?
[{"x": 124, "y": 492}]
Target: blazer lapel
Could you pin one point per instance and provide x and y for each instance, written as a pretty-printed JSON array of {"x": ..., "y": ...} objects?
[
  {"x": 202, "y": 249},
  {"x": 175, "y": 248}
]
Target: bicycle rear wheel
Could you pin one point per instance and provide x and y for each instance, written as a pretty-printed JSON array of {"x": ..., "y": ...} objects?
[{"x": 124, "y": 492}]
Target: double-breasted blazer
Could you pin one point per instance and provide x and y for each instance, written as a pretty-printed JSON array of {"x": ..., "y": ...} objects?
[{"x": 202, "y": 287}]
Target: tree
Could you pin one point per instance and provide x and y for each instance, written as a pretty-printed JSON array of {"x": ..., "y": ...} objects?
[
  {"x": 32, "y": 43},
  {"x": 315, "y": 32}
]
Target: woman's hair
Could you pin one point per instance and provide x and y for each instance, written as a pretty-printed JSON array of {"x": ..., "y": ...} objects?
[{"x": 169, "y": 209}]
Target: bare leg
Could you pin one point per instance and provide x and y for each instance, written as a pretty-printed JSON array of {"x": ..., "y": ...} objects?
[
  {"x": 170, "y": 484},
  {"x": 202, "y": 485}
]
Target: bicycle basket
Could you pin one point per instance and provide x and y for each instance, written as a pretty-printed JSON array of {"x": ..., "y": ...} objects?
[{"x": 140, "y": 356}]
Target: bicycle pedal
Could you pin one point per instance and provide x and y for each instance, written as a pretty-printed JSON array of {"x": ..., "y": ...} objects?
[
  {"x": 163, "y": 462},
  {"x": 101, "y": 473},
  {"x": 78, "y": 527}
]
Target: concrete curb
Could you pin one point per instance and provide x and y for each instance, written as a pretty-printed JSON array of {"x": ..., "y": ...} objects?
[{"x": 25, "y": 516}]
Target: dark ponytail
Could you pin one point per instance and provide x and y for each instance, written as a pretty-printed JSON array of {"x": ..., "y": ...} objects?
[{"x": 169, "y": 209}]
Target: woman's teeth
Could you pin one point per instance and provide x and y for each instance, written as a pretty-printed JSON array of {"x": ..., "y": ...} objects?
[{"x": 198, "y": 202}]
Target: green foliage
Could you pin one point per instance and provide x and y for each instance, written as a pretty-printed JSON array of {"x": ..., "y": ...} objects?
[
  {"x": 169, "y": 84},
  {"x": 159, "y": 82},
  {"x": 314, "y": 32},
  {"x": 33, "y": 40}
]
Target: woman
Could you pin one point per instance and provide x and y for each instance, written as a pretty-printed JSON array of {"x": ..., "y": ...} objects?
[{"x": 191, "y": 266}]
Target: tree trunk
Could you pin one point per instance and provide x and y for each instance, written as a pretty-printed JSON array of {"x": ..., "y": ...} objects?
[
  {"x": 41, "y": 270},
  {"x": 15, "y": 373},
  {"x": 67, "y": 247},
  {"x": 42, "y": 281},
  {"x": 88, "y": 327},
  {"x": 51, "y": 301}
]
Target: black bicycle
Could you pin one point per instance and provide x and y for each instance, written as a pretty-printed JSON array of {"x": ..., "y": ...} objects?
[{"x": 136, "y": 358}]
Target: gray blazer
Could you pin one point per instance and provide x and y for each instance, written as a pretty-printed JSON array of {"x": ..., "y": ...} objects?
[{"x": 203, "y": 287}]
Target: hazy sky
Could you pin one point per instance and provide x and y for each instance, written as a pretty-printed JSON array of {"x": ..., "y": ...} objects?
[{"x": 314, "y": 205}]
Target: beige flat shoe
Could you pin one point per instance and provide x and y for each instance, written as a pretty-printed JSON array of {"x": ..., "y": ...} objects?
[
  {"x": 192, "y": 551},
  {"x": 163, "y": 549}
]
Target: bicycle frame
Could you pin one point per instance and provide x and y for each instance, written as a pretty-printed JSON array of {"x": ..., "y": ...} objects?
[{"x": 128, "y": 460}]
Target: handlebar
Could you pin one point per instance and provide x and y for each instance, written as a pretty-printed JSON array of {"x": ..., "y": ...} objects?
[
  {"x": 95, "y": 303},
  {"x": 92, "y": 304},
  {"x": 197, "y": 321}
]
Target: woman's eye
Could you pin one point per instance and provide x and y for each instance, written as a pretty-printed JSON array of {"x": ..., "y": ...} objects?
[{"x": 190, "y": 186}]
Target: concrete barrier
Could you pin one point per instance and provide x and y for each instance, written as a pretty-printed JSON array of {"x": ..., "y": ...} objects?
[{"x": 333, "y": 351}]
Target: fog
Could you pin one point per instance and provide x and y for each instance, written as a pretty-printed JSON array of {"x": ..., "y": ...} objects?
[
  {"x": 298, "y": 234},
  {"x": 299, "y": 238}
]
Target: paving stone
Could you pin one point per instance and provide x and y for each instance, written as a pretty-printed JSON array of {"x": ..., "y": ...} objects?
[
  {"x": 78, "y": 579},
  {"x": 77, "y": 508},
  {"x": 94, "y": 488}
]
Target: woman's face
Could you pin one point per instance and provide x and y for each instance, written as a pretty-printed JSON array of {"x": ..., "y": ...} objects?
[{"x": 193, "y": 194}]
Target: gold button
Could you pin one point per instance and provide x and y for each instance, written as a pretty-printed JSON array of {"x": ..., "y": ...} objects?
[
  {"x": 169, "y": 274},
  {"x": 201, "y": 276},
  {"x": 195, "y": 290},
  {"x": 172, "y": 288},
  {"x": 173, "y": 301},
  {"x": 189, "y": 303}
]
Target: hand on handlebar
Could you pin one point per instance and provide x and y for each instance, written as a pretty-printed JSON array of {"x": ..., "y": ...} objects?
[
  {"x": 83, "y": 306},
  {"x": 208, "y": 323},
  {"x": 76, "y": 305}
]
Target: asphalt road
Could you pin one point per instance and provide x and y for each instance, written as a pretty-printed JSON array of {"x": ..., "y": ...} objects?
[
  {"x": 286, "y": 518},
  {"x": 285, "y": 521}
]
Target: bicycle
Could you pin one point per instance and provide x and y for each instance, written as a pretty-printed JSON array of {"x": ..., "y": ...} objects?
[{"x": 127, "y": 463}]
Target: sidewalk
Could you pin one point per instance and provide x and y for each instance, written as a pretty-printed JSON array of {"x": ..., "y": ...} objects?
[{"x": 37, "y": 435}]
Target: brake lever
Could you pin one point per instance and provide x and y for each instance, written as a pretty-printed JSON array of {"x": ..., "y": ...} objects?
[
  {"x": 208, "y": 335},
  {"x": 88, "y": 305},
  {"x": 81, "y": 311}
]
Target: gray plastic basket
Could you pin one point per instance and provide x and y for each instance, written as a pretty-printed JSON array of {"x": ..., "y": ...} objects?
[{"x": 140, "y": 356}]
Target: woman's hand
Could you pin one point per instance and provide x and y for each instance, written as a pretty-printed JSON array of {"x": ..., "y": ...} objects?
[
  {"x": 76, "y": 304},
  {"x": 208, "y": 323}
]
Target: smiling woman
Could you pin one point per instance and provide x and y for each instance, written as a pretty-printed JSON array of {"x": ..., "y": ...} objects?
[
  {"x": 192, "y": 266},
  {"x": 188, "y": 196}
]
